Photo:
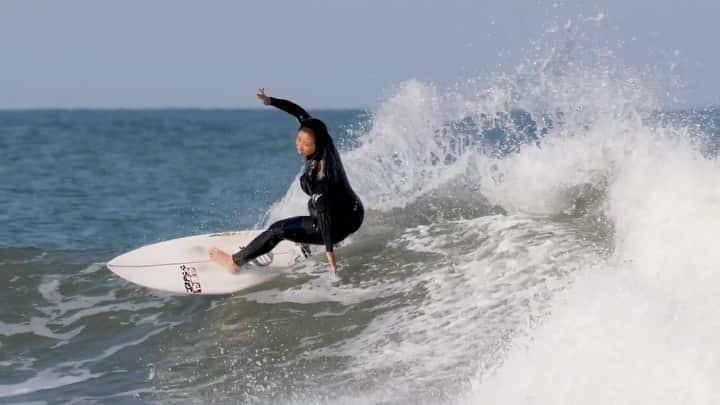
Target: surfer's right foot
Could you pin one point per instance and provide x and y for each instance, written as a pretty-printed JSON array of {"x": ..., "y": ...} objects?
[{"x": 224, "y": 259}]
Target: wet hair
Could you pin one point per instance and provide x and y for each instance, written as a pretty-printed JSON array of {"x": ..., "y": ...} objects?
[
  {"x": 325, "y": 161},
  {"x": 314, "y": 161}
]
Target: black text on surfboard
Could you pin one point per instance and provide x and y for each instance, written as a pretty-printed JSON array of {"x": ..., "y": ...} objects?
[{"x": 191, "y": 279}]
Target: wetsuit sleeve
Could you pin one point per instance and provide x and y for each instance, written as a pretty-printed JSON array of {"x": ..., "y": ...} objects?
[
  {"x": 290, "y": 108},
  {"x": 323, "y": 216}
]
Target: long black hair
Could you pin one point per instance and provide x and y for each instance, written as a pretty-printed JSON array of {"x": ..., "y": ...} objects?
[{"x": 325, "y": 161}]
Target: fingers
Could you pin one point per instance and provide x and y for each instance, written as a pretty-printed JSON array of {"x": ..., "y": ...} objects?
[{"x": 262, "y": 96}]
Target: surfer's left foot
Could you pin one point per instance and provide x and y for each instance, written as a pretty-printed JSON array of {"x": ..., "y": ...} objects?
[{"x": 224, "y": 259}]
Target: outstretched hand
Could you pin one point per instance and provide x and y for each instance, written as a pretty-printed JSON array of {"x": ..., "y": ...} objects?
[
  {"x": 332, "y": 262},
  {"x": 262, "y": 96}
]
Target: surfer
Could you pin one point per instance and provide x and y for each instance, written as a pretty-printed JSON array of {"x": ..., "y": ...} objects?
[{"x": 335, "y": 209}]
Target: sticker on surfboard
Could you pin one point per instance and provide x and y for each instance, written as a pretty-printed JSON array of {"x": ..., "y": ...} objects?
[{"x": 191, "y": 279}]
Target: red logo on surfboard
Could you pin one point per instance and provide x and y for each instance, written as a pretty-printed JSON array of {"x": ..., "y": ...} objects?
[{"x": 191, "y": 279}]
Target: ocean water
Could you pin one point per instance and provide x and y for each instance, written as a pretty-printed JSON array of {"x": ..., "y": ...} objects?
[{"x": 543, "y": 237}]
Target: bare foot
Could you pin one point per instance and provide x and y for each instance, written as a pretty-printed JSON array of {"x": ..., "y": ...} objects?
[{"x": 223, "y": 259}]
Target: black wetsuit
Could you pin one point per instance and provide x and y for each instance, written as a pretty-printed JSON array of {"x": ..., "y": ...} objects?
[{"x": 335, "y": 209}]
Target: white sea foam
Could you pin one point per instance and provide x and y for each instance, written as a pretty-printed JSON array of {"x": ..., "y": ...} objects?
[
  {"x": 69, "y": 372},
  {"x": 44, "y": 380},
  {"x": 475, "y": 298},
  {"x": 546, "y": 315},
  {"x": 643, "y": 327}
]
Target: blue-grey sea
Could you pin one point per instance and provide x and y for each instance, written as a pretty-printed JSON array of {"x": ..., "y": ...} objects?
[{"x": 514, "y": 251}]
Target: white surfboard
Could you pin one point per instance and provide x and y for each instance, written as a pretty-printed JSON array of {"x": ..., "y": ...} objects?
[{"x": 183, "y": 266}]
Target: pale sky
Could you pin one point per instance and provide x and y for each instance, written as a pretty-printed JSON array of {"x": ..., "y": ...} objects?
[{"x": 323, "y": 53}]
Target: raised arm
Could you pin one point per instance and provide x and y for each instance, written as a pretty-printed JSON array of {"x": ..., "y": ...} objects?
[{"x": 285, "y": 105}]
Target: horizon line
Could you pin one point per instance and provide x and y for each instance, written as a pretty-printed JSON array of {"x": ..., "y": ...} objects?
[
  {"x": 259, "y": 108},
  {"x": 146, "y": 108}
]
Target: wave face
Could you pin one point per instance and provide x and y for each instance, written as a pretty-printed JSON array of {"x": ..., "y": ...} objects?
[
  {"x": 544, "y": 237},
  {"x": 598, "y": 282}
]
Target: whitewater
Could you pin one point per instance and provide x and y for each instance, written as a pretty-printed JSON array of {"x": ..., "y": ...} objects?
[{"x": 543, "y": 236}]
